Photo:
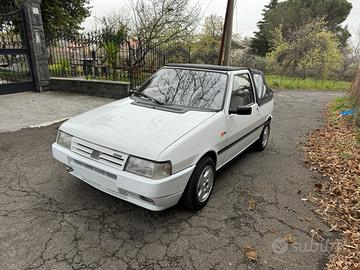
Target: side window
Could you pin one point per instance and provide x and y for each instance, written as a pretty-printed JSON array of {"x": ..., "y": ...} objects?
[
  {"x": 260, "y": 85},
  {"x": 242, "y": 93}
]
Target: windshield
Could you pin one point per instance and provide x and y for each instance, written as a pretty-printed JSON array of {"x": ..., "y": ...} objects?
[{"x": 187, "y": 87}]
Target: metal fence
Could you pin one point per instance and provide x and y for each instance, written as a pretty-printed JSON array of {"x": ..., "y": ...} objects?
[
  {"x": 94, "y": 56},
  {"x": 15, "y": 69}
]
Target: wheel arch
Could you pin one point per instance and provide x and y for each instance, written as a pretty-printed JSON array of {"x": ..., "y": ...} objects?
[
  {"x": 212, "y": 154},
  {"x": 268, "y": 120}
]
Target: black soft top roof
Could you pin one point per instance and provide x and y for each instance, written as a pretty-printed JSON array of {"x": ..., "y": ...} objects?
[{"x": 210, "y": 67}]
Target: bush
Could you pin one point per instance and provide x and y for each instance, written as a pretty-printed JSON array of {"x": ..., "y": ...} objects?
[
  {"x": 311, "y": 51},
  {"x": 62, "y": 67},
  {"x": 245, "y": 59}
]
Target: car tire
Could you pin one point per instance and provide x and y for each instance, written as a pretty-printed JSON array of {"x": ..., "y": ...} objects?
[
  {"x": 262, "y": 142},
  {"x": 200, "y": 185}
]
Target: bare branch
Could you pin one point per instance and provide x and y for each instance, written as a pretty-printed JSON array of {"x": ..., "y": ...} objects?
[{"x": 160, "y": 22}]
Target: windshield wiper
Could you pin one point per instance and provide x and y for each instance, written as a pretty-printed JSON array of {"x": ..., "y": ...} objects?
[{"x": 146, "y": 96}]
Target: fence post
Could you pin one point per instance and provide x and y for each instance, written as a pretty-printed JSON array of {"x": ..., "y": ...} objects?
[
  {"x": 130, "y": 67},
  {"x": 36, "y": 44}
]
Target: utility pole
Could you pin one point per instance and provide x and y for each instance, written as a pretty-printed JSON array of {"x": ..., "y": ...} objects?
[
  {"x": 221, "y": 53},
  {"x": 224, "y": 57}
]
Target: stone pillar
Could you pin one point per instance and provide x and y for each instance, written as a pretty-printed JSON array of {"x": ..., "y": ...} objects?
[{"x": 36, "y": 44}]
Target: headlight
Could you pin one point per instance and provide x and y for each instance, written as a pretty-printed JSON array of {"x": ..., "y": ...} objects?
[
  {"x": 147, "y": 168},
  {"x": 64, "y": 139}
]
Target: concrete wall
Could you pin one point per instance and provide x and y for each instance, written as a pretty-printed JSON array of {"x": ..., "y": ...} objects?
[{"x": 98, "y": 88}]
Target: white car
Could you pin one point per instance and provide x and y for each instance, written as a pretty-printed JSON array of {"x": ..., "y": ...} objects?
[{"x": 164, "y": 143}]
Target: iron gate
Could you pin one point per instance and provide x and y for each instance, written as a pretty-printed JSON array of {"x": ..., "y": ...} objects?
[{"x": 15, "y": 65}]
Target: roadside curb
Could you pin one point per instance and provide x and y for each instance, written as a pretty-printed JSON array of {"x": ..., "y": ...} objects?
[{"x": 49, "y": 123}]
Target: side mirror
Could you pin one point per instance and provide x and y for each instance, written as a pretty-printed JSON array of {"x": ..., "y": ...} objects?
[{"x": 241, "y": 110}]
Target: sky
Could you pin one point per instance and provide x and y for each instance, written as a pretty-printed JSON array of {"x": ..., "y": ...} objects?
[{"x": 247, "y": 13}]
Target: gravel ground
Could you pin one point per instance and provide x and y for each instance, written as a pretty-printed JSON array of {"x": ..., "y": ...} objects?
[{"x": 51, "y": 220}]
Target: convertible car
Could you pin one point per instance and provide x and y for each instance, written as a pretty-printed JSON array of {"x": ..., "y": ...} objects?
[{"x": 163, "y": 144}]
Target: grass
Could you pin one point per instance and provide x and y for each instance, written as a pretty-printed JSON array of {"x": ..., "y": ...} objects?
[
  {"x": 341, "y": 104},
  {"x": 283, "y": 82},
  {"x": 337, "y": 105},
  {"x": 345, "y": 155}
]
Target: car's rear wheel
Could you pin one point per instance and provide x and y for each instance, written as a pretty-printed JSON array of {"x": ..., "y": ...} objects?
[
  {"x": 200, "y": 185},
  {"x": 262, "y": 142}
]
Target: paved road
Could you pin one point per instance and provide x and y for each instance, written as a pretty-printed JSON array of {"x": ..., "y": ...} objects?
[
  {"x": 50, "y": 220},
  {"x": 25, "y": 109}
]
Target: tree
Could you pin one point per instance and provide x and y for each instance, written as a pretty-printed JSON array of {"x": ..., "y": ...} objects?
[
  {"x": 311, "y": 51},
  {"x": 59, "y": 16},
  {"x": 158, "y": 22},
  {"x": 9, "y": 18},
  {"x": 292, "y": 14},
  {"x": 356, "y": 48},
  {"x": 208, "y": 44},
  {"x": 114, "y": 32},
  {"x": 8, "y": 6},
  {"x": 161, "y": 21},
  {"x": 351, "y": 58},
  {"x": 63, "y": 17},
  {"x": 114, "y": 21},
  {"x": 260, "y": 45}
]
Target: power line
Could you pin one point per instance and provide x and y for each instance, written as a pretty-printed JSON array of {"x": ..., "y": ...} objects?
[{"x": 207, "y": 7}]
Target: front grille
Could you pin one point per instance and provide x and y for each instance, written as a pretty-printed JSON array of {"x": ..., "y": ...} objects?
[
  {"x": 99, "y": 153},
  {"x": 100, "y": 171}
]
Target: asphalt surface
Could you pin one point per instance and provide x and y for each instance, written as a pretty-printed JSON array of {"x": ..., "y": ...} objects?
[
  {"x": 51, "y": 220},
  {"x": 28, "y": 109}
]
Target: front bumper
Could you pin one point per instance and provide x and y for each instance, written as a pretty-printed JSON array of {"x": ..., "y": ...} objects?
[{"x": 152, "y": 194}]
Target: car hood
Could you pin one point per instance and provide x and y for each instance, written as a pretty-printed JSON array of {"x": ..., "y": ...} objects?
[{"x": 133, "y": 129}]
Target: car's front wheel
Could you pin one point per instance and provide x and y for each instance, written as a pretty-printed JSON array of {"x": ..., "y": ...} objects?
[{"x": 200, "y": 185}]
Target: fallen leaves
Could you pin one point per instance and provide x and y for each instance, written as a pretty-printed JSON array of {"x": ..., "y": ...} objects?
[
  {"x": 289, "y": 239},
  {"x": 318, "y": 187},
  {"x": 252, "y": 204},
  {"x": 250, "y": 253},
  {"x": 334, "y": 152}
]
